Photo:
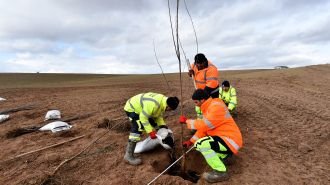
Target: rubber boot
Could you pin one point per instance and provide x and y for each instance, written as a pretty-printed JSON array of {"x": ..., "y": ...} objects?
[
  {"x": 234, "y": 113},
  {"x": 129, "y": 157},
  {"x": 215, "y": 176},
  {"x": 228, "y": 161}
]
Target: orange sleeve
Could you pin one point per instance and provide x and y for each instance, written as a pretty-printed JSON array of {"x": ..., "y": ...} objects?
[
  {"x": 194, "y": 68},
  {"x": 197, "y": 124},
  {"x": 212, "y": 77},
  {"x": 199, "y": 134}
]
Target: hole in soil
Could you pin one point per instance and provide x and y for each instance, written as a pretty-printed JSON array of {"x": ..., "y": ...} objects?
[
  {"x": 189, "y": 175},
  {"x": 192, "y": 168},
  {"x": 21, "y": 131}
]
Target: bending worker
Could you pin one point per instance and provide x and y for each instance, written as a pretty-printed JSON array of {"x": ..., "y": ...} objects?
[
  {"x": 228, "y": 96},
  {"x": 145, "y": 112},
  {"x": 217, "y": 136},
  {"x": 205, "y": 76}
]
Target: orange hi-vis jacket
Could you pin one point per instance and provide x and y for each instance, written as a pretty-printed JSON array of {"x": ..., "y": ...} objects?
[
  {"x": 217, "y": 121},
  {"x": 206, "y": 77}
]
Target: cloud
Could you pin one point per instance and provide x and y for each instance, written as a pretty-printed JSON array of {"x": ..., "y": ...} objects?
[{"x": 115, "y": 36}]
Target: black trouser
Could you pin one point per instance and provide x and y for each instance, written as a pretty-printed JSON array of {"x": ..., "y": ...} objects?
[
  {"x": 137, "y": 127},
  {"x": 213, "y": 92},
  {"x": 216, "y": 148}
]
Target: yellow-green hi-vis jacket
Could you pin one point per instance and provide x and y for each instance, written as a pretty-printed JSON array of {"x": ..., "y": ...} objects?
[
  {"x": 148, "y": 105},
  {"x": 229, "y": 97}
]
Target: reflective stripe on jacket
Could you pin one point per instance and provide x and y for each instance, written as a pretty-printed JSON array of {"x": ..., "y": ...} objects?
[
  {"x": 148, "y": 105},
  {"x": 206, "y": 77},
  {"x": 217, "y": 121},
  {"x": 229, "y": 97}
]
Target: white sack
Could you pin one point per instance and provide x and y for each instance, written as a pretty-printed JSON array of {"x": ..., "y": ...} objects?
[
  {"x": 165, "y": 133},
  {"x": 2, "y": 99},
  {"x": 56, "y": 126},
  {"x": 149, "y": 144},
  {"x": 53, "y": 114},
  {"x": 146, "y": 145},
  {"x": 4, "y": 117}
]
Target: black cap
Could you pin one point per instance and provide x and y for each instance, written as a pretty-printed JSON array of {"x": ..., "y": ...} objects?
[
  {"x": 200, "y": 58},
  {"x": 173, "y": 102},
  {"x": 200, "y": 94},
  {"x": 226, "y": 83}
]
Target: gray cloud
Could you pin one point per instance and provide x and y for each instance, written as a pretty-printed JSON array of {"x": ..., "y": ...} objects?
[{"x": 115, "y": 36}]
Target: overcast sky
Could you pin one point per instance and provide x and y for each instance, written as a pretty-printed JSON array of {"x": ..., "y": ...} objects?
[{"x": 116, "y": 36}]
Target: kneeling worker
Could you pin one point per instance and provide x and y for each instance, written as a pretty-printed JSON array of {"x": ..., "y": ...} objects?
[
  {"x": 217, "y": 136},
  {"x": 145, "y": 112},
  {"x": 228, "y": 96}
]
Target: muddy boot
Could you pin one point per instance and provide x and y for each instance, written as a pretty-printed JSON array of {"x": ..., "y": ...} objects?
[
  {"x": 234, "y": 113},
  {"x": 215, "y": 176},
  {"x": 129, "y": 157},
  {"x": 228, "y": 161}
]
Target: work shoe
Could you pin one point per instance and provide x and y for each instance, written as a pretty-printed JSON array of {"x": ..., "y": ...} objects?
[
  {"x": 228, "y": 161},
  {"x": 215, "y": 176},
  {"x": 234, "y": 113},
  {"x": 129, "y": 157}
]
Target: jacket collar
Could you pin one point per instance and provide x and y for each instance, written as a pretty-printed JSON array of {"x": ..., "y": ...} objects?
[{"x": 163, "y": 104}]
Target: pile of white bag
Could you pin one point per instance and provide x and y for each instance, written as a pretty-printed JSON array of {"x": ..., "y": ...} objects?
[
  {"x": 55, "y": 126},
  {"x": 3, "y": 117},
  {"x": 164, "y": 138},
  {"x": 53, "y": 114}
]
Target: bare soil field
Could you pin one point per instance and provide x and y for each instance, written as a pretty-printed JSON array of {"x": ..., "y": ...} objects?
[{"x": 284, "y": 116}]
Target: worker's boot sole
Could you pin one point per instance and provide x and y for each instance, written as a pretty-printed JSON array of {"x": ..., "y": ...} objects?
[
  {"x": 129, "y": 157},
  {"x": 215, "y": 176}
]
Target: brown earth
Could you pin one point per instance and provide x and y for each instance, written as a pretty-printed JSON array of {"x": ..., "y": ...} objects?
[{"x": 283, "y": 115}]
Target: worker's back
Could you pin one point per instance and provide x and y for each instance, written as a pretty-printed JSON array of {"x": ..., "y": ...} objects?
[
  {"x": 225, "y": 127},
  {"x": 153, "y": 101}
]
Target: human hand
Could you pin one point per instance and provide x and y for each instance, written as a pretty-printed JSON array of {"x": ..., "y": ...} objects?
[
  {"x": 153, "y": 135},
  {"x": 191, "y": 72},
  {"x": 182, "y": 119},
  {"x": 187, "y": 144}
]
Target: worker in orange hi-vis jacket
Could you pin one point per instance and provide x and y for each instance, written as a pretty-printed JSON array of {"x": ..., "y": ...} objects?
[
  {"x": 217, "y": 137},
  {"x": 206, "y": 77}
]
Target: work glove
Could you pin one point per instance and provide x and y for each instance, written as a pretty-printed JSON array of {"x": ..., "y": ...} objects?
[
  {"x": 182, "y": 119},
  {"x": 153, "y": 134},
  {"x": 187, "y": 144},
  {"x": 191, "y": 72}
]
